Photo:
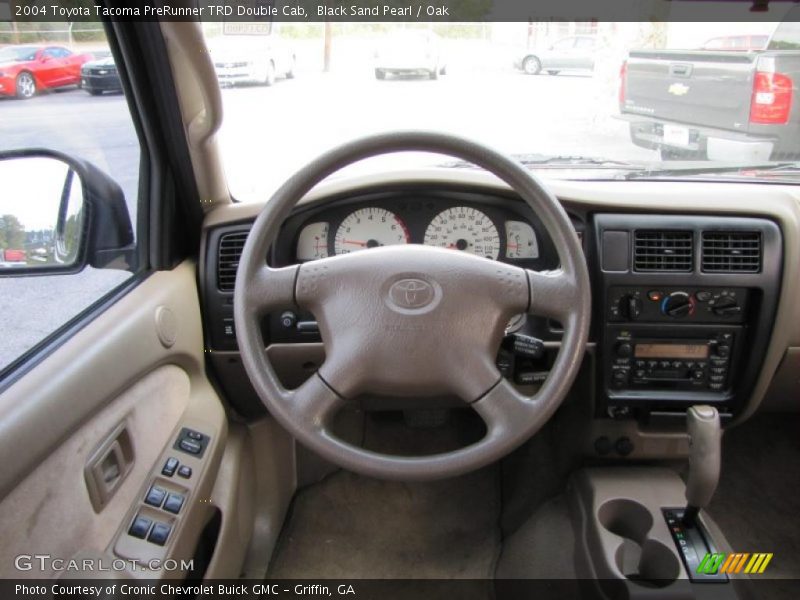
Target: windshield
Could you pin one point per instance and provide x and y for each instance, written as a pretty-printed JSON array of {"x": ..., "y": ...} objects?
[
  {"x": 23, "y": 53},
  {"x": 572, "y": 99}
]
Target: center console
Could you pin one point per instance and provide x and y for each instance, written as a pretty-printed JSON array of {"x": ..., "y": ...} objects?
[{"x": 687, "y": 306}]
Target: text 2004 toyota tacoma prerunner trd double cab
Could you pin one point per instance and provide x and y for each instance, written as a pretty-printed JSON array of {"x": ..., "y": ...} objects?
[{"x": 731, "y": 106}]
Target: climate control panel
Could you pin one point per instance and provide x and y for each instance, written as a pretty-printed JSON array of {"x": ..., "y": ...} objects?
[{"x": 670, "y": 304}]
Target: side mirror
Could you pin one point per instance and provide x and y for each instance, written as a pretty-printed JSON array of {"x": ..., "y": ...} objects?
[{"x": 59, "y": 214}]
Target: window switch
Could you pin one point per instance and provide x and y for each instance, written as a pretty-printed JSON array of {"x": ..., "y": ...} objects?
[
  {"x": 140, "y": 527},
  {"x": 185, "y": 472},
  {"x": 170, "y": 466},
  {"x": 155, "y": 496},
  {"x": 159, "y": 533},
  {"x": 195, "y": 435},
  {"x": 174, "y": 503}
]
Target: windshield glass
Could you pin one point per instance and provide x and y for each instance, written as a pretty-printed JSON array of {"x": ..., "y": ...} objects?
[
  {"x": 571, "y": 99},
  {"x": 22, "y": 53}
]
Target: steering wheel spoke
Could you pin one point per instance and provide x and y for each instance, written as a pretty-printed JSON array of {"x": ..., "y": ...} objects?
[
  {"x": 314, "y": 403},
  {"x": 553, "y": 294},
  {"x": 505, "y": 410},
  {"x": 270, "y": 288}
]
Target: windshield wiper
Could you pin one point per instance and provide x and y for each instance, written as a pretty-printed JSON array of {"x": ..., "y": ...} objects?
[
  {"x": 656, "y": 173},
  {"x": 559, "y": 162}
]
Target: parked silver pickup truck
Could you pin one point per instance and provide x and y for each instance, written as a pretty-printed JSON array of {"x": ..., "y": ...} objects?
[{"x": 717, "y": 105}]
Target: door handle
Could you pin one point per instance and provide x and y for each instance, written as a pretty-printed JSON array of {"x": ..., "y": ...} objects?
[{"x": 108, "y": 466}]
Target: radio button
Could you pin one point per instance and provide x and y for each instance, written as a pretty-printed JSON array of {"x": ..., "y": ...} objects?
[
  {"x": 640, "y": 364},
  {"x": 624, "y": 349},
  {"x": 677, "y": 364},
  {"x": 717, "y": 378},
  {"x": 715, "y": 386},
  {"x": 719, "y": 362},
  {"x": 652, "y": 364},
  {"x": 723, "y": 350},
  {"x": 698, "y": 374},
  {"x": 665, "y": 364},
  {"x": 640, "y": 374}
]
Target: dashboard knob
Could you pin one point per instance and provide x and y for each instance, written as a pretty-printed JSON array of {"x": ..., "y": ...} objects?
[
  {"x": 630, "y": 307},
  {"x": 726, "y": 307},
  {"x": 677, "y": 305},
  {"x": 624, "y": 349},
  {"x": 288, "y": 319}
]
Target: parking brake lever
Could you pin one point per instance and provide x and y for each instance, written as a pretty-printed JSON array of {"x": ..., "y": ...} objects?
[{"x": 705, "y": 438}]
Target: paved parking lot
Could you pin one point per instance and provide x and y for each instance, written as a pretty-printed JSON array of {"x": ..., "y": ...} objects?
[{"x": 270, "y": 132}]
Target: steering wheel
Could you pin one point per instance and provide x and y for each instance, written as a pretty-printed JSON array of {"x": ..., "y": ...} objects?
[{"x": 412, "y": 320}]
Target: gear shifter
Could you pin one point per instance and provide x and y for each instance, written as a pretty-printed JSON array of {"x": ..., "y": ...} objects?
[{"x": 704, "y": 459}]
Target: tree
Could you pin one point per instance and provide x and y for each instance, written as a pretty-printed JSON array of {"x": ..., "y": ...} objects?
[{"x": 12, "y": 233}]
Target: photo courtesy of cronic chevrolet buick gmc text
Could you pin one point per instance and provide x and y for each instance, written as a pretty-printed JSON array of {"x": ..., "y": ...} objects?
[{"x": 381, "y": 332}]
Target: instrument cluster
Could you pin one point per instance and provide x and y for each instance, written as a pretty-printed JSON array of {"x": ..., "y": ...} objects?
[{"x": 461, "y": 226}]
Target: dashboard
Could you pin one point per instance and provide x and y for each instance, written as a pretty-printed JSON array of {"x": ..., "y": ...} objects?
[{"x": 684, "y": 305}]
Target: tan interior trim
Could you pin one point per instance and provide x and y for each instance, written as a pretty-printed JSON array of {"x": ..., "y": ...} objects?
[
  {"x": 53, "y": 498},
  {"x": 201, "y": 106},
  {"x": 97, "y": 364}
]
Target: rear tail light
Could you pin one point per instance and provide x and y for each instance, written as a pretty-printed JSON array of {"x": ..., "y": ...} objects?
[
  {"x": 772, "y": 98},
  {"x": 623, "y": 75}
]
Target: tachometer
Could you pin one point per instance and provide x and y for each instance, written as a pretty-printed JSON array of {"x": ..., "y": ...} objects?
[
  {"x": 464, "y": 228},
  {"x": 368, "y": 228}
]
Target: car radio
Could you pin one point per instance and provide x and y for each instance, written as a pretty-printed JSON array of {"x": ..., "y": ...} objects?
[{"x": 639, "y": 359}]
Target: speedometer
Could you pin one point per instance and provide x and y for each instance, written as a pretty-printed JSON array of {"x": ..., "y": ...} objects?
[
  {"x": 368, "y": 228},
  {"x": 464, "y": 228}
]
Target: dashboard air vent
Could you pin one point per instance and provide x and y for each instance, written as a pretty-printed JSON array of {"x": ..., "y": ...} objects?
[
  {"x": 228, "y": 254},
  {"x": 731, "y": 251},
  {"x": 662, "y": 250}
]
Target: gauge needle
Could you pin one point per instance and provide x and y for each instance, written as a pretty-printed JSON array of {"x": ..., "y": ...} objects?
[
  {"x": 513, "y": 245},
  {"x": 354, "y": 242}
]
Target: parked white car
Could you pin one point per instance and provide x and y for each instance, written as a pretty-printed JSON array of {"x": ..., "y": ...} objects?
[
  {"x": 570, "y": 53},
  {"x": 252, "y": 59},
  {"x": 410, "y": 52}
]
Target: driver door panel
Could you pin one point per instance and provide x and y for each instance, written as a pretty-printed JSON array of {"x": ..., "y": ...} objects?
[{"x": 130, "y": 381}]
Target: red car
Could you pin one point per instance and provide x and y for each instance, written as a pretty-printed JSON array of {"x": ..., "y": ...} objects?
[{"x": 25, "y": 70}]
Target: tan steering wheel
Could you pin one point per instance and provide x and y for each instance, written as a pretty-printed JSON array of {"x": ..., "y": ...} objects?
[{"x": 412, "y": 320}]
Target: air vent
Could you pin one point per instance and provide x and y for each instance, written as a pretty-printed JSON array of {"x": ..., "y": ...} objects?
[
  {"x": 662, "y": 251},
  {"x": 731, "y": 251},
  {"x": 228, "y": 254}
]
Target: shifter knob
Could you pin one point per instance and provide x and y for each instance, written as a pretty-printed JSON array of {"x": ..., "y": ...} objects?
[{"x": 704, "y": 457}]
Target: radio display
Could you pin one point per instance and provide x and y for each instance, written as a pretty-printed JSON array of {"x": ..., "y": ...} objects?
[{"x": 696, "y": 351}]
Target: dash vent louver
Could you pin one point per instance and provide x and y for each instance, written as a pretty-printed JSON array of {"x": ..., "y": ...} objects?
[
  {"x": 663, "y": 250},
  {"x": 228, "y": 254},
  {"x": 731, "y": 252}
]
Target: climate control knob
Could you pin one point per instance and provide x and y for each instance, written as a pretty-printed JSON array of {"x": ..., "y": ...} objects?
[
  {"x": 727, "y": 307},
  {"x": 677, "y": 305}
]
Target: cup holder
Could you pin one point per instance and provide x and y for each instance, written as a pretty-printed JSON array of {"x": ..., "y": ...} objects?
[{"x": 641, "y": 559}]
